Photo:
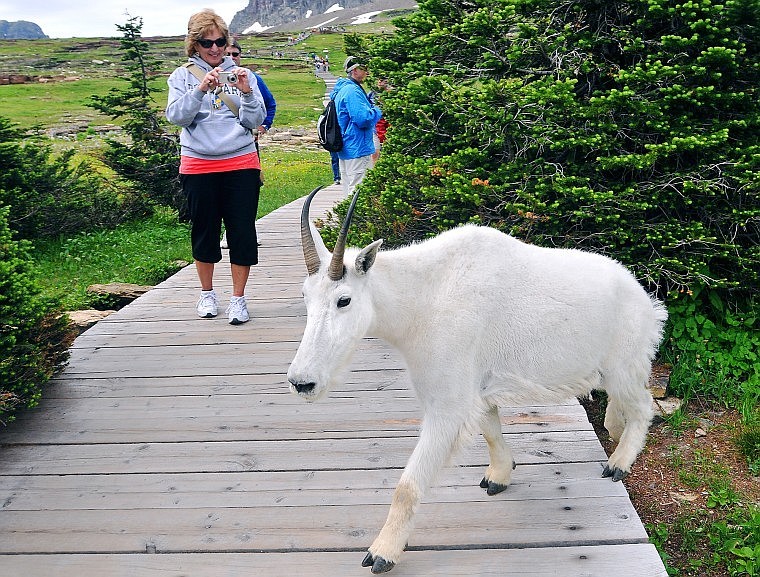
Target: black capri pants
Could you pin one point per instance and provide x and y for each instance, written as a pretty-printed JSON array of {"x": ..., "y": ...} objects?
[{"x": 229, "y": 197}]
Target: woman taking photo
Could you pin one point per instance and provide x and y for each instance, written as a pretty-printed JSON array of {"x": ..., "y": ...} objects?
[{"x": 219, "y": 166}]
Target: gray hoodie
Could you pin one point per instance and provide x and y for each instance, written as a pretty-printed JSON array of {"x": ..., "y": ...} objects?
[{"x": 207, "y": 132}]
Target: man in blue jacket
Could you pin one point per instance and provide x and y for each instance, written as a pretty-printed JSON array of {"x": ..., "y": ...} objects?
[
  {"x": 234, "y": 51},
  {"x": 357, "y": 117}
]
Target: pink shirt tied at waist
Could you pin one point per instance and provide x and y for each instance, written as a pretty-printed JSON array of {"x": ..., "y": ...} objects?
[{"x": 190, "y": 165}]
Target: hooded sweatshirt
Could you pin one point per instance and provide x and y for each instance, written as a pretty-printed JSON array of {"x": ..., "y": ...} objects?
[
  {"x": 357, "y": 117},
  {"x": 207, "y": 132}
]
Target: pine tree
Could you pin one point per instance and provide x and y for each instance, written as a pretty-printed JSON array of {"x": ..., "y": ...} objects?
[
  {"x": 151, "y": 158},
  {"x": 34, "y": 336},
  {"x": 630, "y": 128}
]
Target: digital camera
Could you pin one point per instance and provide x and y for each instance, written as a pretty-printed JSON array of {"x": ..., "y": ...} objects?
[{"x": 227, "y": 78}]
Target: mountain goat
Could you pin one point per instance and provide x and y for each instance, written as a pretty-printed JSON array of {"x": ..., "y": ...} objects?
[{"x": 481, "y": 319}]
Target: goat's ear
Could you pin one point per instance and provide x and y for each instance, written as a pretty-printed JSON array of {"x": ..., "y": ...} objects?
[{"x": 366, "y": 258}]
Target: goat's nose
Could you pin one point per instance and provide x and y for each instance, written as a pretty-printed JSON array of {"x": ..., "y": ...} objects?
[{"x": 302, "y": 387}]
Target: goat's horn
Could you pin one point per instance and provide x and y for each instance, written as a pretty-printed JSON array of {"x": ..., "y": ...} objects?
[
  {"x": 336, "y": 270},
  {"x": 310, "y": 254}
]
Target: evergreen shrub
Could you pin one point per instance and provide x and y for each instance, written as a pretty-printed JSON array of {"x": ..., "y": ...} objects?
[
  {"x": 150, "y": 158},
  {"x": 49, "y": 195},
  {"x": 630, "y": 128},
  {"x": 34, "y": 336}
]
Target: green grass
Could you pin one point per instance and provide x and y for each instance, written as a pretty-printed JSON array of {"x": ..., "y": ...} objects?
[
  {"x": 143, "y": 252},
  {"x": 726, "y": 544},
  {"x": 720, "y": 538},
  {"x": 146, "y": 252},
  {"x": 54, "y": 103},
  {"x": 748, "y": 438},
  {"x": 289, "y": 175},
  {"x": 96, "y": 65},
  {"x": 298, "y": 94},
  {"x": 50, "y": 56}
]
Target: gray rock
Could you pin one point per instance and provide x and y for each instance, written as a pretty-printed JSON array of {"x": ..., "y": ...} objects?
[{"x": 83, "y": 320}]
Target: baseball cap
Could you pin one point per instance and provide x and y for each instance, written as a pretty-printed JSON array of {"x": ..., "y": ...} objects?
[{"x": 353, "y": 62}]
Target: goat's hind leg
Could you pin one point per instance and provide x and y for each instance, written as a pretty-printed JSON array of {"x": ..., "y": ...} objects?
[
  {"x": 629, "y": 413},
  {"x": 501, "y": 463}
]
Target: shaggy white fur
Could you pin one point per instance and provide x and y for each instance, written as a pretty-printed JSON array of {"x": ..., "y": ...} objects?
[{"x": 483, "y": 320}]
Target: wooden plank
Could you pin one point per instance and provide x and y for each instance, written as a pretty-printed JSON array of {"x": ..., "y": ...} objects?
[
  {"x": 361, "y": 406},
  {"x": 286, "y": 307},
  {"x": 563, "y": 522},
  {"x": 277, "y": 416},
  {"x": 83, "y": 386},
  {"x": 189, "y": 429},
  {"x": 628, "y": 560},
  {"x": 289, "y": 488},
  {"x": 126, "y": 333},
  {"x": 209, "y": 359},
  {"x": 312, "y": 454}
]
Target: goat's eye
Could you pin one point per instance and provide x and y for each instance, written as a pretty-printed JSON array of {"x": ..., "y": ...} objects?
[{"x": 344, "y": 302}]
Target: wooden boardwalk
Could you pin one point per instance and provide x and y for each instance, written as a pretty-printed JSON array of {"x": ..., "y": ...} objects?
[{"x": 171, "y": 446}]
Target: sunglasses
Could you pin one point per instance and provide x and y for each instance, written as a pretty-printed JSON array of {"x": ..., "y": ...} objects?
[
  {"x": 233, "y": 54},
  {"x": 206, "y": 43}
]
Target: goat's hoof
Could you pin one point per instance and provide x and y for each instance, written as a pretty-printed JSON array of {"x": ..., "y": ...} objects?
[
  {"x": 378, "y": 564},
  {"x": 616, "y": 473},
  {"x": 491, "y": 487}
]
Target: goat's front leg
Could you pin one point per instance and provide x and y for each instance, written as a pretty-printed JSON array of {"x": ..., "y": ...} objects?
[
  {"x": 499, "y": 472},
  {"x": 438, "y": 437}
]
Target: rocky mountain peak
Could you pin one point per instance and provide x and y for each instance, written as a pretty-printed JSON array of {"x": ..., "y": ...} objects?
[
  {"x": 20, "y": 30},
  {"x": 301, "y": 14}
]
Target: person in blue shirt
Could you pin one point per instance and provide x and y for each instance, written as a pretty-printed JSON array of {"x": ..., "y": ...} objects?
[
  {"x": 234, "y": 51},
  {"x": 357, "y": 117},
  {"x": 335, "y": 163}
]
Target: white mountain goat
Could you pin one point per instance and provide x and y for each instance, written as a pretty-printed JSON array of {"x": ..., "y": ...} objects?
[{"x": 481, "y": 320}]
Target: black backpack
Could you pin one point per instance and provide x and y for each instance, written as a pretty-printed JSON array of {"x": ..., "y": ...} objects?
[{"x": 328, "y": 129}]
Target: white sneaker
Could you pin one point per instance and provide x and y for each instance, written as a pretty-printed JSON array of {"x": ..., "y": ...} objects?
[
  {"x": 223, "y": 242},
  {"x": 237, "y": 312},
  {"x": 207, "y": 306}
]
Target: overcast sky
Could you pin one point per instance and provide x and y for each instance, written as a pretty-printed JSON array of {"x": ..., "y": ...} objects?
[{"x": 75, "y": 18}]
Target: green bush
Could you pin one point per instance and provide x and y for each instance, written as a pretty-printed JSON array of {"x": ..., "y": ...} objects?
[
  {"x": 748, "y": 443},
  {"x": 150, "y": 159},
  {"x": 630, "y": 128},
  {"x": 50, "y": 195},
  {"x": 714, "y": 349},
  {"x": 34, "y": 336},
  {"x": 736, "y": 542},
  {"x": 627, "y": 128}
]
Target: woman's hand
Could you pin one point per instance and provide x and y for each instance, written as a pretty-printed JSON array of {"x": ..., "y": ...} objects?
[
  {"x": 210, "y": 80},
  {"x": 243, "y": 80}
]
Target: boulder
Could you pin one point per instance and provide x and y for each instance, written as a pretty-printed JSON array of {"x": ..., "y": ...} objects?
[
  {"x": 119, "y": 293},
  {"x": 663, "y": 408},
  {"x": 658, "y": 380},
  {"x": 83, "y": 320}
]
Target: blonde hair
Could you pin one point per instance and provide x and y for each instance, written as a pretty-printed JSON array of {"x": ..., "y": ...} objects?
[{"x": 201, "y": 23}]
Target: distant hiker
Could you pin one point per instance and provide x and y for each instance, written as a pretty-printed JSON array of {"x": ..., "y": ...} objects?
[
  {"x": 357, "y": 117},
  {"x": 234, "y": 51}
]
